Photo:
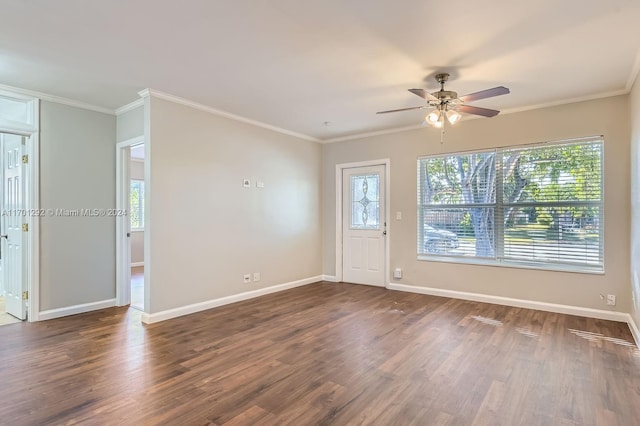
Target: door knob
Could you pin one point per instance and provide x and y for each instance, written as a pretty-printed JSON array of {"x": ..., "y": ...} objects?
[{"x": 4, "y": 236}]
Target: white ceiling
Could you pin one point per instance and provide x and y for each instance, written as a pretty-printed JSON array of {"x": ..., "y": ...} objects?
[{"x": 298, "y": 64}]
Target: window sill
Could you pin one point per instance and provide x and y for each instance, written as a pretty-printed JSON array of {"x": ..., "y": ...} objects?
[{"x": 595, "y": 270}]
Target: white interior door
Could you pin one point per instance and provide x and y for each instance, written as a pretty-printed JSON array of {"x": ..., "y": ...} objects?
[
  {"x": 12, "y": 219},
  {"x": 363, "y": 225}
]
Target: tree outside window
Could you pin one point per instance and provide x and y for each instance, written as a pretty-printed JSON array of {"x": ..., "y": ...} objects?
[{"x": 533, "y": 205}]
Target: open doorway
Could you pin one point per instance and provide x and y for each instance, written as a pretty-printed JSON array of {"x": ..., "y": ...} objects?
[
  {"x": 130, "y": 229},
  {"x": 136, "y": 216}
]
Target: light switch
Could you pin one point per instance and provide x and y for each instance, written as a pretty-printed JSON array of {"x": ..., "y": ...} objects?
[
  {"x": 259, "y": 184},
  {"x": 398, "y": 215}
]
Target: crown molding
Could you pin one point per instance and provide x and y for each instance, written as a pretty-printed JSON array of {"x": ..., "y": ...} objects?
[
  {"x": 57, "y": 99},
  {"x": 567, "y": 101},
  {"x": 128, "y": 107},
  {"x": 371, "y": 134},
  {"x": 178, "y": 100}
]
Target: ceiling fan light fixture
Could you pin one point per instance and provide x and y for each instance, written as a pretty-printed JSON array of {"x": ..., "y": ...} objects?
[
  {"x": 433, "y": 117},
  {"x": 453, "y": 116},
  {"x": 447, "y": 106}
]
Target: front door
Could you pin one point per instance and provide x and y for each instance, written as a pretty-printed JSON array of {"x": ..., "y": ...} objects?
[
  {"x": 363, "y": 225},
  {"x": 12, "y": 218}
]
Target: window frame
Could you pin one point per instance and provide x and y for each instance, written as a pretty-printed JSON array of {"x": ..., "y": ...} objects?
[{"x": 499, "y": 205}]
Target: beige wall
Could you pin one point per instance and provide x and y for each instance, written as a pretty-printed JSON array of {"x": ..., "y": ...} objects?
[
  {"x": 635, "y": 200},
  {"x": 136, "y": 171},
  {"x": 197, "y": 163},
  {"x": 608, "y": 117},
  {"x": 77, "y": 170}
]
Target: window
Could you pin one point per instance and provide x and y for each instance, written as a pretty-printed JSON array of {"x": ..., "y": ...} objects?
[
  {"x": 533, "y": 206},
  {"x": 136, "y": 205},
  {"x": 365, "y": 204}
]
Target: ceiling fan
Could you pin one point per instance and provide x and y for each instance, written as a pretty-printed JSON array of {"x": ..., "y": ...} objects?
[{"x": 448, "y": 106}]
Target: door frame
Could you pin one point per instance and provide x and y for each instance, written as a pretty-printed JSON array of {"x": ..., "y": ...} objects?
[
  {"x": 123, "y": 246},
  {"x": 31, "y": 251},
  {"x": 386, "y": 162}
]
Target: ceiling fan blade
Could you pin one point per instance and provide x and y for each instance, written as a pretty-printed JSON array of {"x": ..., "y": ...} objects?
[
  {"x": 424, "y": 94},
  {"x": 483, "y": 94},
  {"x": 402, "y": 109},
  {"x": 485, "y": 112}
]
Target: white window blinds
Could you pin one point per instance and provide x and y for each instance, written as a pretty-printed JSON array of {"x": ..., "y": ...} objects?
[{"x": 531, "y": 205}]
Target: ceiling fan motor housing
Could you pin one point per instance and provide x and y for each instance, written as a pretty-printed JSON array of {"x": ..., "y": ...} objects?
[{"x": 445, "y": 95}]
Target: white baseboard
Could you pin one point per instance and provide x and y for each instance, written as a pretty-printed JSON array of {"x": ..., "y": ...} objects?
[
  {"x": 519, "y": 303},
  {"x": 203, "y": 306},
  {"x": 330, "y": 278},
  {"x": 135, "y": 264},
  {"x": 635, "y": 332},
  {"x": 76, "y": 309}
]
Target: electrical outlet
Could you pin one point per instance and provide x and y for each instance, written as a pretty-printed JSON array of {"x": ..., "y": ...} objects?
[
  {"x": 256, "y": 276},
  {"x": 246, "y": 183},
  {"x": 246, "y": 278},
  {"x": 611, "y": 299}
]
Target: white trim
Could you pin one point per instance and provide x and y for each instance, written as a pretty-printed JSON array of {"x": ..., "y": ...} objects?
[
  {"x": 146, "y": 306},
  {"x": 128, "y": 107},
  {"x": 386, "y": 162},
  {"x": 136, "y": 264},
  {"x": 373, "y": 133},
  {"x": 330, "y": 278},
  {"x": 564, "y": 102},
  {"x": 137, "y": 160},
  {"x": 57, "y": 99},
  {"x": 171, "y": 98},
  {"x": 77, "y": 309},
  {"x": 518, "y": 303},
  {"x": 123, "y": 268},
  {"x": 209, "y": 304},
  {"x": 33, "y": 200},
  {"x": 635, "y": 332}
]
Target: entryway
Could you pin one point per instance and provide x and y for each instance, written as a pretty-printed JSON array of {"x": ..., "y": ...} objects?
[
  {"x": 19, "y": 212},
  {"x": 130, "y": 238},
  {"x": 362, "y": 220},
  {"x": 136, "y": 225}
]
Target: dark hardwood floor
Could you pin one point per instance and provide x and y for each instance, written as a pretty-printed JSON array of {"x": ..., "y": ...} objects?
[{"x": 323, "y": 354}]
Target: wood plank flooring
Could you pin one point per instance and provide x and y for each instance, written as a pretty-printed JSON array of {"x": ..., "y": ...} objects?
[
  {"x": 137, "y": 287},
  {"x": 323, "y": 354}
]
